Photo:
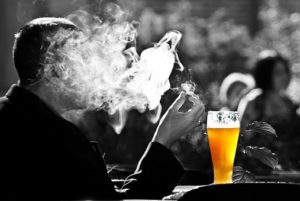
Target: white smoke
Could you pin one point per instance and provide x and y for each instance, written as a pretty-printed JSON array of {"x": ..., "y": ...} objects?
[{"x": 100, "y": 72}]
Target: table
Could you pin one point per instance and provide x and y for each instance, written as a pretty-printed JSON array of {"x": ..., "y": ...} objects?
[
  {"x": 281, "y": 176},
  {"x": 275, "y": 177},
  {"x": 246, "y": 191}
]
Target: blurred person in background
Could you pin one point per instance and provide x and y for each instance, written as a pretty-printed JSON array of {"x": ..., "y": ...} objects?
[
  {"x": 268, "y": 102},
  {"x": 43, "y": 156},
  {"x": 233, "y": 88}
]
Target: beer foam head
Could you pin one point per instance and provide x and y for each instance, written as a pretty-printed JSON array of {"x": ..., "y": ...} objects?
[{"x": 223, "y": 119}]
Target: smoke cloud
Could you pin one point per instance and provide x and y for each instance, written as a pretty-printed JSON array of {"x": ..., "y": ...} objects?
[{"x": 100, "y": 68}]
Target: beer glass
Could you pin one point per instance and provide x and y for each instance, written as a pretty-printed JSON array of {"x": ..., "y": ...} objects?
[{"x": 223, "y": 129}]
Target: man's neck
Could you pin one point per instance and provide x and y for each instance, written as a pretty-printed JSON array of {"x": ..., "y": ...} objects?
[{"x": 47, "y": 95}]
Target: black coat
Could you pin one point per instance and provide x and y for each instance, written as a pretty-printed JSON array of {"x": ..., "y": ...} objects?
[{"x": 43, "y": 156}]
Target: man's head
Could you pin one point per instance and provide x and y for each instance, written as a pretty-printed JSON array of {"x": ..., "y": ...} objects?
[
  {"x": 88, "y": 64},
  {"x": 31, "y": 45}
]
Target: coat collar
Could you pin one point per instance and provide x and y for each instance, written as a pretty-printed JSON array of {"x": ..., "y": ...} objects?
[{"x": 25, "y": 99}]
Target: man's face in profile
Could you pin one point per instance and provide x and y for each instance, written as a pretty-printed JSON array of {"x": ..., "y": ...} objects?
[{"x": 84, "y": 68}]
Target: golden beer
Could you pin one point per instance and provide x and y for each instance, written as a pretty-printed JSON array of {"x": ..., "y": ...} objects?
[{"x": 223, "y": 133}]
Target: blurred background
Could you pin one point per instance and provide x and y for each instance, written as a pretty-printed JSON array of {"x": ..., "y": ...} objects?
[{"x": 219, "y": 37}]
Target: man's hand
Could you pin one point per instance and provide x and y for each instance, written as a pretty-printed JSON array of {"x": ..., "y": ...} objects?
[{"x": 175, "y": 124}]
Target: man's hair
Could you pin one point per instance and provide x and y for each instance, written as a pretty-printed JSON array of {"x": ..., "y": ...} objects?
[
  {"x": 264, "y": 67},
  {"x": 31, "y": 44}
]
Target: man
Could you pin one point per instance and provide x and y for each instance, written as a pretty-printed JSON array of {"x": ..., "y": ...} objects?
[{"x": 43, "y": 156}]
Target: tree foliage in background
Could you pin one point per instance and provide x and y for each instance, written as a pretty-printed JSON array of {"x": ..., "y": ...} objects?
[{"x": 211, "y": 48}]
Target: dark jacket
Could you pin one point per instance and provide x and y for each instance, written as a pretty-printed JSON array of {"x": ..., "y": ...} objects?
[{"x": 43, "y": 156}]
